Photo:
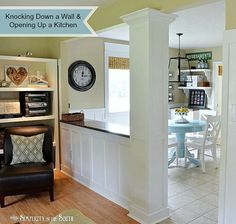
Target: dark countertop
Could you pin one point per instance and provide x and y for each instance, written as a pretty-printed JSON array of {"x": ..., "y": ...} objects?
[
  {"x": 191, "y": 108},
  {"x": 102, "y": 126}
]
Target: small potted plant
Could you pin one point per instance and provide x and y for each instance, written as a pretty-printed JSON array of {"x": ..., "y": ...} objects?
[{"x": 182, "y": 111}]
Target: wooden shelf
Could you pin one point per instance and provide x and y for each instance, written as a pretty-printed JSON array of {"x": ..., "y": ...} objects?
[
  {"x": 27, "y": 59},
  {"x": 196, "y": 70},
  {"x": 187, "y": 88},
  {"x": 24, "y": 119},
  {"x": 23, "y": 89},
  {"x": 192, "y": 87}
]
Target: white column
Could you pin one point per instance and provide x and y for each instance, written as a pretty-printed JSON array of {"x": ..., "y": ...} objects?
[
  {"x": 149, "y": 38},
  {"x": 227, "y": 205}
]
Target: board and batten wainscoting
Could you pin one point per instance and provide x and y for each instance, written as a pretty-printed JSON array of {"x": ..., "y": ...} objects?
[
  {"x": 97, "y": 114},
  {"x": 101, "y": 114},
  {"x": 97, "y": 160}
]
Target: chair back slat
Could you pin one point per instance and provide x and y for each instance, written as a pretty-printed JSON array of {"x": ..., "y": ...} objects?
[{"x": 213, "y": 128}]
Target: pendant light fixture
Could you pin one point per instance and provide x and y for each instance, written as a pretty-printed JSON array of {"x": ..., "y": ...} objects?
[{"x": 179, "y": 61}]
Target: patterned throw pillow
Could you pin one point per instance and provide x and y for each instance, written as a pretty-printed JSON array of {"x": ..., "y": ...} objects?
[{"x": 27, "y": 149}]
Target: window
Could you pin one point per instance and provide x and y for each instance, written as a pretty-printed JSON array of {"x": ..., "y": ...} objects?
[
  {"x": 118, "y": 82},
  {"x": 117, "y": 78}
]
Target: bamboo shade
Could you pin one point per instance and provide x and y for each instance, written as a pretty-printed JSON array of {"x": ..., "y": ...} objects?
[{"x": 118, "y": 63}]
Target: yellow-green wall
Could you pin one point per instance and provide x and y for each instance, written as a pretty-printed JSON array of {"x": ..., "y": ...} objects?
[
  {"x": 230, "y": 14},
  {"x": 41, "y": 47},
  {"x": 17, "y": 46},
  {"x": 91, "y": 50}
]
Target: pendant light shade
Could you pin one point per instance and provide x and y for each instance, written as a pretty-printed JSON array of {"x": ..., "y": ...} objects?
[{"x": 176, "y": 64}]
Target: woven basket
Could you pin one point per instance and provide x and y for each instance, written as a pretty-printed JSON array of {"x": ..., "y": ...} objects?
[
  {"x": 203, "y": 84},
  {"x": 73, "y": 117}
]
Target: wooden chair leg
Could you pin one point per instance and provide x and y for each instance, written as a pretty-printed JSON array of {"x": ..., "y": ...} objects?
[
  {"x": 2, "y": 201},
  {"x": 51, "y": 194}
]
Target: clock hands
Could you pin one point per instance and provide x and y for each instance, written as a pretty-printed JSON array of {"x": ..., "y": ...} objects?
[{"x": 82, "y": 73}]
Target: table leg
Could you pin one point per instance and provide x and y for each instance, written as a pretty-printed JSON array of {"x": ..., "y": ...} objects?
[
  {"x": 181, "y": 144},
  {"x": 192, "y": 159},
  {"x": 181, "y": 149}
]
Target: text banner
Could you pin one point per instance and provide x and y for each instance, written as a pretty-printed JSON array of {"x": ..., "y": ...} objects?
[{"x": 46, "y": 21}]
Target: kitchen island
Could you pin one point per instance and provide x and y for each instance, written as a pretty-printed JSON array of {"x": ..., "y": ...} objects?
[{"x": 96, "y": 154}]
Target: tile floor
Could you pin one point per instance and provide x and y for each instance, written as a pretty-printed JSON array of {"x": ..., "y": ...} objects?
[{"x": 193, "y": 195}]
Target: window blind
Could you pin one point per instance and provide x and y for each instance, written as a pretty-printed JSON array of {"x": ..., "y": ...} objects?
[{"x": 118, "y": 63}]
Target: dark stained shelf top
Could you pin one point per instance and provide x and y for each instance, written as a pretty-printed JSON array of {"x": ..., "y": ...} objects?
[{"x": 102, "y": 126}]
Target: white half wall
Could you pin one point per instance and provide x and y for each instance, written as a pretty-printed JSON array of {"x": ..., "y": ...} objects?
[{"x": 97, "y": 160}]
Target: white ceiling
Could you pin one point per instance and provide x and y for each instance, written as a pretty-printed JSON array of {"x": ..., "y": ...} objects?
[{"x": 202, "y": 26}]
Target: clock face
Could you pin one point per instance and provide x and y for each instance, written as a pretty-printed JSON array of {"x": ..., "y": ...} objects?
[{"x": 81, "y": 75}]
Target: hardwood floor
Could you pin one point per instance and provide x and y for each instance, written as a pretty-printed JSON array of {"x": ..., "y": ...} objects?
[{"x": 68, "y": 194}]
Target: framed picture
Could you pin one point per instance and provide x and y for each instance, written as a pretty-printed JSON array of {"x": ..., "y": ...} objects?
[
  {"x": 197, "y": 99},
  {"x": 16, "y": 74}
]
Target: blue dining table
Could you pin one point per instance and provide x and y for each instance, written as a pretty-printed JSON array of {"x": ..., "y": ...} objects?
[{"x": 180, "y": 129}]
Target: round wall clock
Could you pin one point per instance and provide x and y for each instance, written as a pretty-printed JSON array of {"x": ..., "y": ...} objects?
[{"x": 81, "y": 75}]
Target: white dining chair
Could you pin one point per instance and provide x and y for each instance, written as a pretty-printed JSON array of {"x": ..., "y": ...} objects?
[
  {"x": 172, "y": 143},
  {"x": 203, "y": 117},
  {"x": 205, "y": 141}
]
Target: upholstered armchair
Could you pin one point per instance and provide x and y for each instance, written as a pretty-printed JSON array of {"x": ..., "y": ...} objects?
[{"x": 21, "y": 175}]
